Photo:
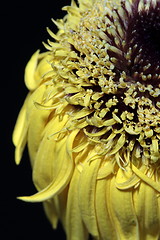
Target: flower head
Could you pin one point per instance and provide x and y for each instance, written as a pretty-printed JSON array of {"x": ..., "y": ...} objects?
[{"x": 92, "y": 121}]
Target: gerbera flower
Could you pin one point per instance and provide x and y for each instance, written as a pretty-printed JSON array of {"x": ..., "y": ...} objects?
[{"x": 92, "y": 121}]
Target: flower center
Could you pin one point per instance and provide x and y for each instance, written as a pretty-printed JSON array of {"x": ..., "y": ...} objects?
[
  {"x": 113, "y": 82},
  {"x": 143, "y": 36},
  {"x": 147, "y": 32}
]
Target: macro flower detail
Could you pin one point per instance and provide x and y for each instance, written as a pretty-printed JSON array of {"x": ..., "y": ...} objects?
[{"x": 91, "y": 121}]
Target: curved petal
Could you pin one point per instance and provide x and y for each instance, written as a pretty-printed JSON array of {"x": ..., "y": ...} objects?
[
  {"x": 49, "y": 160},
  {"x": 23, "y": 121},
  {"x": 30, "y": 70},
  {"x": 37, "y": 66},
  {"x": 60, "y": 158},
  {"x": 105, "y": 225},
  {"x": 20, "y": 132},
  {"x": 62, "y": 176},
  {"x": 147, "y": 211},
  {"x": 106, "y": 170},
  {"x": 41, "y": 148},
  {"x": 87, "y": 191},
  {"x": 75, "y": 228},
  {"x": 146, "y": 179},
  {"x": 50, "y": 210},
  {"x": 19, "y": 126},
  {"x": 126, "y": 179},
  {"x": 36, "y": 121},
  {"x": 123, "y": 213},
  {"x": 35, "y": 132},
  {"x": 61, "y": 205}
]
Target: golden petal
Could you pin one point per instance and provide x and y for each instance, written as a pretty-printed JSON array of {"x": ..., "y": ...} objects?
[
  {"x": 62, "y": 176},
  {"x": 146, "y": 179},
  {"x": 50, "y": 210},
  {"x": 87, "y": 191},
  {"x": 30, "y": 70},
  {"x": 106, "y": 170},
  {"x": 19, "y": 136},
  {"x": 123, "y": 213},
  {"x": 126, "y": 179},
  {"x": 105, "y": 225},
  {"x": 147, "y": 211},
  {"x": 119, "y": 144},
  {"x": 34, "y": 70},
  {"x": 75, "y": 227}
]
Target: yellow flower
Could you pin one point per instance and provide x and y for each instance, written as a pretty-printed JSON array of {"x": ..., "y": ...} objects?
[{"x": 91, "y": 121}]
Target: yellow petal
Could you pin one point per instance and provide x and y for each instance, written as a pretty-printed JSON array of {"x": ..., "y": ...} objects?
[
  {"x": 44, "y": 68},
  {"x": 61, "y": 205},
  {"x": 46, "y": 163},
  {"x": 35, "y": 130},
  {"x": 146, "y": 179},
  {"x": 19, "y": 126},
  {"x": 106, "y": 170},
  {"x": 123, "y": 213},
  {"x": 105, "y": 225},
  {"x": 75, "y": 228},
  {"x": 39, "y": 142},
  {"x": 87, "y": 191},
  {"x": 147, "y": 211},
  {"x": 61, "y": 162},
  {"x": 35, "y": 70},
  {"x": 20, "y": 132},
  {"x": 126, "y": 179},
  {"x": 23, "y": 122},
  {"x": 30, "y": 70},
  {"x": 121, "y": 141},
  {"x": 20, "y": 147},
  {"x": 61, "y": 178},
  {"x": 36, "y": 119},
  {"x": 50, "y": 210}
]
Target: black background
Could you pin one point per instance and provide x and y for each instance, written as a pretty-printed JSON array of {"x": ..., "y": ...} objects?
[{"x": 23, "y": 28}]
